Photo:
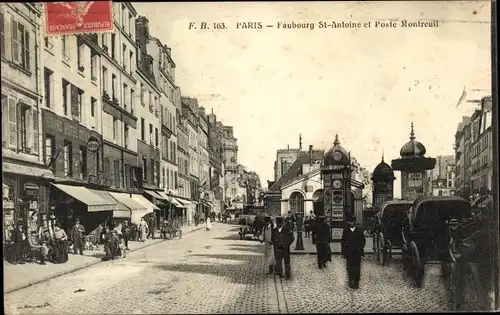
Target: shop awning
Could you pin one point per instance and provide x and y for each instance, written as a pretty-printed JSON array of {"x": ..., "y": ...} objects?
[
  {"x": 145, "y": 203},
  {"x": 184, "y": 202},
  {"x": 26, "y": 170},
  {"x": 105, "y": 195},
  {"x": 153, "y": 193},
  {"x": 163, "y": 195},
  {"x": 93, "y": 201},
  {"x": 208, "y": 203},
  {"x": 176, "y": 202},
  {"x": 127, "y": 201}
]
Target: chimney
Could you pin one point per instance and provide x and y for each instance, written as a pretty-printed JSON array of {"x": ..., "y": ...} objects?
[{"x": 310, "y": 155}]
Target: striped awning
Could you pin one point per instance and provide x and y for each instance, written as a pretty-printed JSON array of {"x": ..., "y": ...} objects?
[
  {"x": 93, "y": 201},
  {"x": 153, "y": 193},
  {"x": 128, "y": 201}
]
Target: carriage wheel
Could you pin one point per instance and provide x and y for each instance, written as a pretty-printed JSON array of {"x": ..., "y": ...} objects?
[
  {"x": 383, "y": 249},
  {"x": 417, "y": 266},
  {"x": 404, "y": 258}
]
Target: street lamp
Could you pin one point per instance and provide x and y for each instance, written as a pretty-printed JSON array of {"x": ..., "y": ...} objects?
[{"x": 169, "y": 199}]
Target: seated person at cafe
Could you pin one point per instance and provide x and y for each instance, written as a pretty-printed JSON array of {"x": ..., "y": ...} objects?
[
  {"x": 164, "y": 229},
  {"x": 37, "y": 248}
]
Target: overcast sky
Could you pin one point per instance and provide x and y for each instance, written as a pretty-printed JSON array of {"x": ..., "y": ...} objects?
[{"x": 365, "y": 84}]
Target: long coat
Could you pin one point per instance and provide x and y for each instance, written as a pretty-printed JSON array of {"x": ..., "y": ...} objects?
[
  {"x": 284, "y": 239},
  {"x": 353, "y": 243},
  {"x": 268, "y": 246},
  {"x": 78, "y": 234},
  {"x": 322, "y": 238}
]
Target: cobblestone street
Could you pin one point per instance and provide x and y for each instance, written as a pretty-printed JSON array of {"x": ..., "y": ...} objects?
[{"x": 215, "y": 272}]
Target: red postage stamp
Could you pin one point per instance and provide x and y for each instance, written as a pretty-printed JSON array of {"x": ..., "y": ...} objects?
[{"x": 78, "y": 17}]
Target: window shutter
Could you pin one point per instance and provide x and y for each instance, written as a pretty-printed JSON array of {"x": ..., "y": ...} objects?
[
  {"x": 29, "y": 122},
  {"x": 5, "y": 122},
  {"x": 15, "y": 42},
  {"x": 27, "y": 50},
  {"x": 75, "y": 111},
  {"x": 13, "y": 123},
  {"x": 35, "y": 131}
]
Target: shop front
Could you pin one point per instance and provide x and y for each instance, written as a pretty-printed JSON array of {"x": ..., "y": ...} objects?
[{"x": 25, "y": 196}]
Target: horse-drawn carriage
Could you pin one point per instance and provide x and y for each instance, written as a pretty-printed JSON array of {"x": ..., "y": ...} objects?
[
  {"x": 387, "y": 229},
  {"x": 426, "y": 233},
  {"x": 251, "y": 222}
]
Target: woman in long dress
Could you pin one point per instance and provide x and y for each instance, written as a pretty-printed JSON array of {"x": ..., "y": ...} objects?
[
  {"x": 144, "y": 229},
  {"x": 209, "y": 225},
  {"x": 266, "y": 238}
]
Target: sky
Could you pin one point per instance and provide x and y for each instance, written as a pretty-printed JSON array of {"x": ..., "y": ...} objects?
[{"x": 365, "y": 84}]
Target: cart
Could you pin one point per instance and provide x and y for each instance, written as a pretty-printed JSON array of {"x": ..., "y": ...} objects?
[
  {"x": 425, "y": 232},
  {"x": 387, "y": 229}
]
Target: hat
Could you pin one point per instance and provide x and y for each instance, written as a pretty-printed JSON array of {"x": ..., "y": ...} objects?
[
  {"x": 279, "y": 219},
  {"x": 321, "y": 217},
  {"x": 351, "y": 219}
]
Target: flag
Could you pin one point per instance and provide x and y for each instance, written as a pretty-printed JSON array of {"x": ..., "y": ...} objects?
[{"x": 462, "y": 97}]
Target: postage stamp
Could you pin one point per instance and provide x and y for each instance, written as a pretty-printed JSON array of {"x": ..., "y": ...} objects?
[{"x": 78, "y": 17}]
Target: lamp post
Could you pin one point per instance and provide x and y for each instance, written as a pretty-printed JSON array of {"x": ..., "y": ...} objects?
[{"x": 169, "y": 199}]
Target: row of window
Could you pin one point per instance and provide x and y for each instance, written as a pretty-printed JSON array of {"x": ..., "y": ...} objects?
[{"x": 169, "y": 179}]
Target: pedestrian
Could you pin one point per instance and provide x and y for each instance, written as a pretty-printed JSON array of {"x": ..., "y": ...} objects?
[
  {"x": 266, "y": 238},
  {"x": 353, "y": 244},
  {"x": 60, "y": 245},
  {"x": 290, "y": 220},
  {"x": 322, "y": 233},
  {"x": 312, "y": 218},
  {"x": 282, "y": 239},
  {"x": 151, "y": 227},
  {"x": 78, "y": 236},
  {"x": 19, "y": 238},
  {"x": 307, "y": 227},
  {"x": 37, "y": 247},
  {"x": 110, "y": 244},
  {"x": 208, "y": 224},
  {"x": 219, "y": 217},
  {"x": 143, "y": 227},
  {"x": 126, "y": 232}
]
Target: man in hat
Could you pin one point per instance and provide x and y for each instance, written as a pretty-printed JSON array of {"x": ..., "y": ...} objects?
[
  {"x": 78, "y": 236},
  {"x": 282, "y": 239},
  {"x": 353, "y": 244},
  {"x": 290, "y": 220},
  {"x": 19, "y": 239},
  {"x": 322, "y": 232}
]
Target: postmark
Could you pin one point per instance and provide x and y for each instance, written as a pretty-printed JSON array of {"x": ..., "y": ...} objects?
[{"x": 78, "y": 17}]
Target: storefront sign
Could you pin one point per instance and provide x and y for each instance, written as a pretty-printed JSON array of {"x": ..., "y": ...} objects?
[
  {"x": 100, "y": 179},
  {"x": 60, "y": 126},
  {"x": 93, "y": 144},
  {"x": 31, "y": 191}
]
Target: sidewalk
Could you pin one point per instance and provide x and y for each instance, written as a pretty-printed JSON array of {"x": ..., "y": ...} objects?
[
  {"x": 17, "y": 277},
  {"x": 310, "y": 249}
]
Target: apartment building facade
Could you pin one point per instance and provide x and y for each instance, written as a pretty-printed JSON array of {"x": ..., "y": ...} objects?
[
  {"x": 194, "y": 159},
  {"x": 25, "y": 189},
  {"x": 216, "y": 173},
  {"x": 148, "y": 143},
  {"x": 164, "y": 71},
  {"x": 119, "y": 99}
]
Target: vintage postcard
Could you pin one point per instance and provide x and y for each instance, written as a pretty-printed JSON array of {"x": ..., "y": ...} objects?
[{"x": 249, "y": 157}]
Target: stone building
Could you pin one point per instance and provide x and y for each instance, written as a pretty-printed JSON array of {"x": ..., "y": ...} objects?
[
  {"x": 194, "y": 158},
  {"x": 440, "y": 180},
  {"x": 24, "y": 172}
]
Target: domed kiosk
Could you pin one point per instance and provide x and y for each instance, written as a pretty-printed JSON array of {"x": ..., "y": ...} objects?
[
  {"x": 413, "y": 166},
  {"x": 383, "y": 183},
  {"x": 342, "y": 194}
]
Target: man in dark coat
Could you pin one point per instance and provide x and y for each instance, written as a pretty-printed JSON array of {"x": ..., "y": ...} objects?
[
  {"x": 19, "y": 239},
  {"x": 78, "y": 236},
  {"x": 290, "y": 221},
  {"x": 126, "y": 232},
  {"x": 151, "y": 227},
  {"x": 282, "y": 238},
  {"x": 322, "y": 232},
  {"x": 353, "y": 244}
]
